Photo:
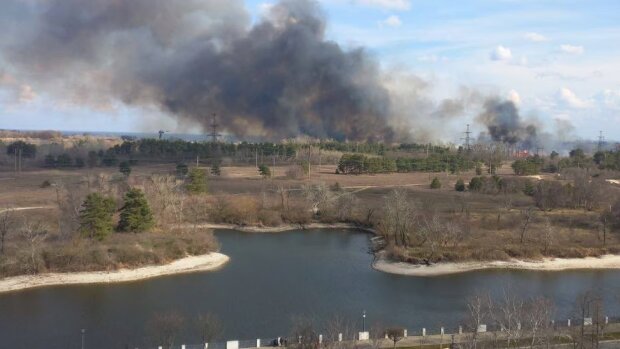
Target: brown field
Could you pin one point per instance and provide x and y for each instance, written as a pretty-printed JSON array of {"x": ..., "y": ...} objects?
[{"x": 489, "y": 230}]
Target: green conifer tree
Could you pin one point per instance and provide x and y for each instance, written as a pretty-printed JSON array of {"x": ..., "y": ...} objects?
[
  {"x": 136, "y": 215},
  {"x": 96, "y": 216},
  {"x": 197, "y": 181}
]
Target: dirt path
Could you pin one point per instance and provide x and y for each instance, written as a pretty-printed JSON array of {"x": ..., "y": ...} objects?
[{"x": 26, "y": 208}]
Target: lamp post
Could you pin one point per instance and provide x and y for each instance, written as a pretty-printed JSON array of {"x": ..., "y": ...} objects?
[
  {"x": 364, "y": 321},
  {"x": 83, "y": 337}
]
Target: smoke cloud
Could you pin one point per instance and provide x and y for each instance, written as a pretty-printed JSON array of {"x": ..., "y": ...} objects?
[
  {"x": 505, "y": 125},
  {"x": 191, "y": 58},
  {"x": 277, "y": 78}
]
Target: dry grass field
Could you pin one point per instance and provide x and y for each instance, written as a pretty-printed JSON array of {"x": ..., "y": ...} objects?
[{"x": 463, "y": 225}]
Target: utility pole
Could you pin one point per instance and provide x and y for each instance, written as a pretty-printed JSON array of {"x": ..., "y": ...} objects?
[
  {"x": 214, "y": 126},
  {"x": 467, "y": 138},
  {"x": 319, "y": 168},
  {"x": 540, "y": 151},
  {"x": 601, "y": 139},
  {"x": 364, "y": 321},
  {"x": 309, "y": 160},
  {"x": 83, "y": 338}
]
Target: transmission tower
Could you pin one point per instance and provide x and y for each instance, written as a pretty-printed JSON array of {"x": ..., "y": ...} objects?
[
  {"x": 601, "y": 140},
  {"x": 214, "y": 126},
  {"x": 467, "y": 138}
]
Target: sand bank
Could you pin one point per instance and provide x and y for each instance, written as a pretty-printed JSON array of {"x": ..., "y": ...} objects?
[
  {"x": 547, "y": 264},
  {"x": 205, "y": 262},
  {"x": 282, "y": 228}
]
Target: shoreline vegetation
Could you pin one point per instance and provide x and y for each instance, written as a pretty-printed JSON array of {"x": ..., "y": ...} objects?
[
  {"x": 207, "y": 262},
  {"x": 215, "y": 260}
]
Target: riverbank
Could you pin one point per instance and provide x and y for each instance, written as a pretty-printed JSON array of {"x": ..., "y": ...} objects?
[
  {"x": 284, "y": 227},
  {"x": 547, "y": 264},
  {"x": 207, "y": 262}
]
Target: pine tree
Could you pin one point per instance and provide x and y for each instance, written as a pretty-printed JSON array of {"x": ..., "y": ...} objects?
[
  {"x": 136, "y": 216},
  {"x": 182, "y": 170},
  {"x": 215, "y": 169},
  {"x": 264, "y": 171},
  {"x": 96, "y": 216},
  {"x": 124, "y": 168},
  {"x": 460, "y": 185},
  {"x": 197, "y": 181}
]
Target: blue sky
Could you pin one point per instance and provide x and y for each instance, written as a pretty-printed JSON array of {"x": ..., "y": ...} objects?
[{"x": 559, "y": 60}]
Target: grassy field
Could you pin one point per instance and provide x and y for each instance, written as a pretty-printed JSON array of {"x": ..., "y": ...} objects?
[{"x": 489, "y": 225}]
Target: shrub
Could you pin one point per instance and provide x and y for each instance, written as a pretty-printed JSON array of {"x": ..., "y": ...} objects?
[
  {"x": 435, "y": 184},
  {"x": 124, "y": 168},
  {"x": 264, "y": 171},
  {"x": 182, "y": 170},
  {"x": 475, "y": 184},
  {"x": 460, "y": 185}
]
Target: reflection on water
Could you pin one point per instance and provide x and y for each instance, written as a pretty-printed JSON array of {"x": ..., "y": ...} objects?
[{"x": 270, "y": 279}]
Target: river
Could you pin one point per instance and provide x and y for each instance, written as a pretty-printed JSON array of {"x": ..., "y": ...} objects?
[{"x": 270, "y": 279}]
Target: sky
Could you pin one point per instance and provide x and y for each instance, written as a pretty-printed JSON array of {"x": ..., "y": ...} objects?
[{"x": 558, "y": 60}]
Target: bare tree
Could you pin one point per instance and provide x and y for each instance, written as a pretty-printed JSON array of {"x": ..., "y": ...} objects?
[
  {"x": 166, "y": 197},
  {"x": 164, "y": 328},
  {"x": 336, "y": 326},
  {"x": 547, "y": 235},
  {"x": 477, "y": 314},
  {"x": 319, "y": 196},
  {"x": 537, "y": 317},
  {"x": 588, "y": 306},
  {"x": 210, "y": 327},
  {"x": 395, "y": 335},
  {"x": 399, "y": 218},
  {"x": 345, "y": 204},
  {"x": 7, "y": 222},
  {"x": 34, "y": 233},
  {"x": 303, "y": 334},
  {"x": 527, "y": 218},
  {"x": 284, "y": 194}
]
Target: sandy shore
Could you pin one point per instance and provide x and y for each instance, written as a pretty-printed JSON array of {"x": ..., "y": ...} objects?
[
  {"x": 548, "y": 264},
  {"x": 282, "y": 228},
  {"x": 205, "y": 262}
]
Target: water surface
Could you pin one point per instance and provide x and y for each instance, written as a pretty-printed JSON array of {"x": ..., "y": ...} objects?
[{"x": 270, "y": 279}]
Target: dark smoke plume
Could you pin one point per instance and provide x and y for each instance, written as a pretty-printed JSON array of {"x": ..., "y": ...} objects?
[
  {"x": 276, "y": 79},
  {"x": 505, "y": 125}
]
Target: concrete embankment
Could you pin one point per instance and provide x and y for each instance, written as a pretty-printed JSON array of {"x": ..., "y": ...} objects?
[{"x": 210, "y": 261}]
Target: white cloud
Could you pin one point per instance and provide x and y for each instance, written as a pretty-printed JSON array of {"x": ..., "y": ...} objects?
[
  {"x": 535, "y": 37},
  {"x": 571, "y": 99},
  {"x": 400, "y": 5},
  {"x": 514, "y": 96},
  {"x": 573, "y": 50},
  {"x": 26, "y": 94},
  {"x": 501, "y": 53},
  {"x": 392, "y": 21},
  {"x": 265, "y": 7}
]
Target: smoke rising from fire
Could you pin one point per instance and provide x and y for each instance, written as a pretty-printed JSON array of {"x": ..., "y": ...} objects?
[
  {"x": 505, "y": 125},
  {"x": 274, "y": 79}
]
